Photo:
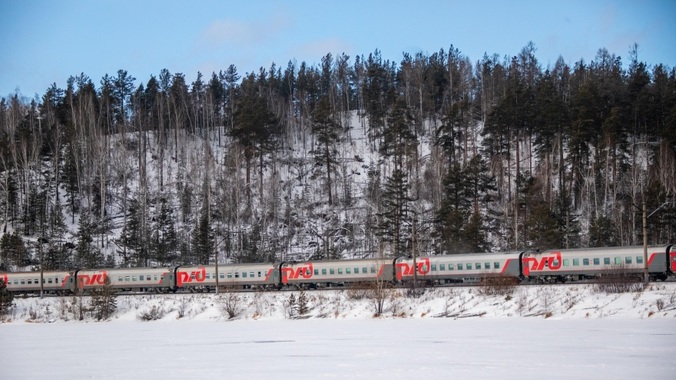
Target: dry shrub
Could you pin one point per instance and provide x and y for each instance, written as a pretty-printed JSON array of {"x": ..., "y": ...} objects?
[
  {"x": 231, "y": 304},
  {"x": 618, "y": 279},
  {"x": 378, "y": 294},
  {"x": 358, "y": 291},
  {"x": 492, "y": 285},
  {"x": 152, "y": 314}
]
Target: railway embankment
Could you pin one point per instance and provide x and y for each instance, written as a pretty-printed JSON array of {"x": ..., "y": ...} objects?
[{"x": 575, "y": 301}]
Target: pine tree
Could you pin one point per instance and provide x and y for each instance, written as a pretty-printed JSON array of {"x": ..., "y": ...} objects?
[
  {"x": 87, "y": 254},
  {"x": 327, "y": 131},
  {"x": 13, "y": 250},
  {"x": 254, "y": 128},
  {"x": 395, "y": 217},
  {"x": 164, "y": 239},
  {"x": 203, "y": 239},
  {"x": 132, "y": 246}
]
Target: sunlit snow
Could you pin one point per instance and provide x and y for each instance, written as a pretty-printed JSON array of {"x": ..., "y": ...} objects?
[{"x": 559, "y": 332}]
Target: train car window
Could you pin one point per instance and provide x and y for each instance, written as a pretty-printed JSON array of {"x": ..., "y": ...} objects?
[
  {"x": 606, "y": 261},
  {"x": 442, "y": 266},
  {"x": 566, "y": 262},
  {"x": 451, "y": 266},
  {"x": 332, "y": 271},
  {"x": 126, "y": 278},
  {"x": 340, "y": 270},
  {"x": 585, "y": 261},
  {"x": 29, "y": 282},
  {"x": 434, "y": 267},
  {"x": 236, "y": 274},
  {"x": 363, "y": 270},
  {"x": 133, "y": 278},
  {"x": 208, "y": 276},
  {"x": 639, "y": 260},
  {"x": 356, "y": 270},
  {"x": 243, "y": 274},
  {"x": 487, "y": 265},
  {"x": 324, "y": 271},
  {"x": 627, "y": 260},
  {"x": 576, "y": 262},
  {"x": 459, "y": 266},
  {"x": 229, "y": 275},
  {"x": 155, "y": 277},
  {"x": 316, "y": 272},
  {"x": 221, "y": 275},
  {"x": 496, "y": 265},
  {"x": 23, "y": 282},
  {"x": 49, "y": 280},
  {"x": 597, "y": 261},
  {"x": 119, "y": 278},
  {"x": 348, "y": 271},
  {"x": 373, "y": 269},
  {"x": 618, "y": 261},
  {"x": 555, "y": 263},
  {"x": 141, "y": 278}
]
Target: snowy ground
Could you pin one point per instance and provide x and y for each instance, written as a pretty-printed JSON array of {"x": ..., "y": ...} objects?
[{"x": 538, "y": 332}]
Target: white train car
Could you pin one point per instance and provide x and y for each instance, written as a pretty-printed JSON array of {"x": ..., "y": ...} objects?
[
  {"x": 336, "y": 272},
  {"x": 229, "y": 275},
  {"x": 592, "y": 262},
  {"x": 459, "y": 268},
  {"x": 29, "y": 282}
]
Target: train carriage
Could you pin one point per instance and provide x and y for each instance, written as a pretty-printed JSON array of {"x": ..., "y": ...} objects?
[
  {"x": 229, "y": 275},
  {"x": 459, "y": 268},
  {"x": 582, "y": 263},
  {"x": 336, "y": 272},
  {"x": 29, "y": 282}
]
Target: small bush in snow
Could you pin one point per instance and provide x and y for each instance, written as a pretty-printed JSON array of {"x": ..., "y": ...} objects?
[
  {"x": 154, "y": 313},
  {"x": 303, "y": 303},
  {"x": 231, "y": 304}
]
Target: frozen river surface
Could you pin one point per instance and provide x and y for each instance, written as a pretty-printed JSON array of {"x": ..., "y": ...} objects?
[{"x": 342, "y": 349}]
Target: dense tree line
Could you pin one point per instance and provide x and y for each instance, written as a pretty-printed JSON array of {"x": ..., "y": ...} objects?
[{"x": 364, "y": 157}]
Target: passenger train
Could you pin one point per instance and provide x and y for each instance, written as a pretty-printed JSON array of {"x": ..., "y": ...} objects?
[{"x": 551, "y": 265}]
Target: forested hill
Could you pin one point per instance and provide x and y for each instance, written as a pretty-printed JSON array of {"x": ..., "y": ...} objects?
[{"x": 352, "y": 157}]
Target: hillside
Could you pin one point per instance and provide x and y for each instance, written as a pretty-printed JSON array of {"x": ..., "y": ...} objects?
[{"x": 351, "y": 158}]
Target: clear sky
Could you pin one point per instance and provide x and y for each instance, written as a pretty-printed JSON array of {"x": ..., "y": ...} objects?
[{"x": 46, "y": 41}]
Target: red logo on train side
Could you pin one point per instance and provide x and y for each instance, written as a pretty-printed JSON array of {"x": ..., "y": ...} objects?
[
  {"x": 404, "y": 269},
  {"x": 304, "y": 271},
  {"x": 91, "y": 280},
  {"x": 183, "y": 277},
  {"x": 4, "y": 279},
  {"x": 552, "y": 262}
]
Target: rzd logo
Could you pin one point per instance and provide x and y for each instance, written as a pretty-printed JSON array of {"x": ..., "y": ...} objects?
[
  {"x": 304, "y": 271},
  {"x": 404, "y": 269},
  {"x": 92, "y": 279},
  {"x": 4, "y": 280},
  {"x": 194, "y": 276},
  {"x": 552, "y": 262}
]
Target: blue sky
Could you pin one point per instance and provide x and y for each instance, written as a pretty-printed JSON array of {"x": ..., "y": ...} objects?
[{"x": 46, "y": 41}]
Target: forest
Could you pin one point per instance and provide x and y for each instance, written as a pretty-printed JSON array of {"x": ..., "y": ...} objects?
[{"x": 349, "y": 157}]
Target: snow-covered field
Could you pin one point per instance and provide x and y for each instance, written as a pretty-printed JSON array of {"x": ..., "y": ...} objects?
[{"x": 538, "y": 332}]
